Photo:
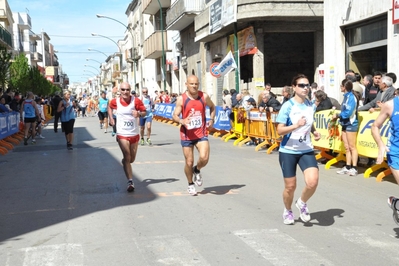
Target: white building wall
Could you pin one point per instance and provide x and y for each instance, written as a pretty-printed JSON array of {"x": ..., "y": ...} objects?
[{"x": 337, "y": 14}]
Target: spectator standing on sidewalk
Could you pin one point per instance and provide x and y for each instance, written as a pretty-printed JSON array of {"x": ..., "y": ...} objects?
[
  {"x": 295, "y": 122},
  {"x": 55, "y": 103},
  {"x": 128, "y": 109}
]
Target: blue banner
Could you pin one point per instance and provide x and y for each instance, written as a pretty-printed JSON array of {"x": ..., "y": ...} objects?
[
  {"x": 222, "y": 119},
  {"x": 8, "y": 124}
]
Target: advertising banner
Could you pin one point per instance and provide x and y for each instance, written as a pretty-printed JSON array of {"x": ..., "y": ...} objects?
[
  {"x": 366, "y": 145},
  {"x": 246, "y": 42}
]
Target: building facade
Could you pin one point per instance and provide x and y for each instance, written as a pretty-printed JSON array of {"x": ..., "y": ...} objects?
[{"x": 359, "y": 35}]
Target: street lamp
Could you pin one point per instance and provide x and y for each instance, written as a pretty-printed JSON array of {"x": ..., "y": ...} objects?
[
  {"x": 93, "y": 67},
  {"x": 131, "y": 33},
  {"x": 163, "y": 49},
  {"x": 120, "y": 50},
  {"x": 89, "y": 59},
  {"x": 90, "y": 49}
]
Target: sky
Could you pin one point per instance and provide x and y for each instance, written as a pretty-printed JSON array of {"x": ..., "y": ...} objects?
[{"x": 69, "y": 24}]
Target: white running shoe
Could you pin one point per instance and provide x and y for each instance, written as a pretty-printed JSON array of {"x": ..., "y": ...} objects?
[
  {"x": 41, "y": 136},
  {"x": 303, "y": 209},
  {"x": 130, "y": 186},
  {"x": 197, "y": 178},
  {"x": 191, "y": 190},
  {"x": 352, "y": 172},
  {"x": 288, "y": 217},
  {"x": 343, "y": 171},
  {"x": 392, "y": 201}
]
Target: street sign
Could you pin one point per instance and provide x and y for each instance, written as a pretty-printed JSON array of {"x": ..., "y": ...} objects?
[{"x": 214, "y": 71}]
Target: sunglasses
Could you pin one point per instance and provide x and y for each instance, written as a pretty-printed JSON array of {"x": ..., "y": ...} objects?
[
  {"x": 145, "y": 92},
  {"x": 303, "y": 85},
  {"x": 123, "y": 89}
]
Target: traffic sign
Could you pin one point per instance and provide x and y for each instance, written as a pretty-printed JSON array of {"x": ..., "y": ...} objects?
[{"x": 214, "y": 71}]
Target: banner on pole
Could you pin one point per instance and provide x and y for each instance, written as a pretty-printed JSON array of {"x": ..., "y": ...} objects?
[{"x": 227, "y": 65}]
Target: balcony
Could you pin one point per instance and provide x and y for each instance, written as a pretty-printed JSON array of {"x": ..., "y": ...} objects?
[
  {"x": 182, "y": 13},
  {"x": 36, "y": 57},
  {"x": 152, "y": 48},
  {"x": 5, "y": 37},
  {"x": 151, "y": 7}
]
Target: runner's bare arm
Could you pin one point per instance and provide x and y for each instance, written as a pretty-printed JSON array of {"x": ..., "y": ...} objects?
[
  {"x": 385, "y": 112},
  {"x": 110, "y": 115},
  {"x": 177, "y": 111},
  {"x": 212, "y": 108}
]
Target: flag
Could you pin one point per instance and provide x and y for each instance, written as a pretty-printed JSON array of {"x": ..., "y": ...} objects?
[{"x": 228, "y": 64}]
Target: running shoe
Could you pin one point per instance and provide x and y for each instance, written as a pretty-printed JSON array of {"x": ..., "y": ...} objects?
[
  {"x": 130, "y": 186},
  {"x": 149, "y": 143},
  {"x": 303, "y": 209},
  {"x": 41, "y": 136},
  {"x": 352, "y": 172},
  {"x": 392, "y": 201},
  {"x": 288, "y": 217},
  {"x": 343, "y": 171},
  {"x": 101, "y": 125},
  {"x": 191, "y": 190},
  {"x": 142, "y": 142},
  {"x": 25, "y": 141},
  {"x": 69, "y": 146},
  {"x": 33, "y": 141},
  {"x": 197, "y": 178},
  {"x": 113, "y": 133},
  {"x": 105, "y": 131}
]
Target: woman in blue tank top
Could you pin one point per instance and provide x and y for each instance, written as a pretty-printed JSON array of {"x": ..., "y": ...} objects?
[{"x": 67, "y": 109}]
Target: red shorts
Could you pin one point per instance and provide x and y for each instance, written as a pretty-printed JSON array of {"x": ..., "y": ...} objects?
[{"x": 131, "y": 139}]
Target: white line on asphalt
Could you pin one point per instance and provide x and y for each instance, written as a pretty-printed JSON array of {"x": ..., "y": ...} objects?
[
  {"x": 273, "y": 245},
  {"x": 49, "y": 255},
  {"x": 170, "y": 250}
]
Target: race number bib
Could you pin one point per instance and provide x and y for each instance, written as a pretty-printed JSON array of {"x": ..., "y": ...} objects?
[
  {"x": 195, "y": 122},
  {"x": 104, "y": 106},
  {"x": 147, "y": 107},
  {"x": 128, "y": 124},
  {"x": 300, "y": 138}
]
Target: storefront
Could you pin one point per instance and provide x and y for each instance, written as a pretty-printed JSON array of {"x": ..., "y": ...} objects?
[{"x": 358, "y": 35}]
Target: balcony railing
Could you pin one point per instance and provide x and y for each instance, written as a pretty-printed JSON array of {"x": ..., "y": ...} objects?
[
  {"x": 152, "y": 7},
  {"x": 5, "y": 36},
  {"x": 182, "y": 13},
  {"x": 152, "y": 48}
]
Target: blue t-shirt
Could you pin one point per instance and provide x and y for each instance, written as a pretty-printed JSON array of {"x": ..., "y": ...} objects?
[
  {"x": 297, "y": 141},
  {"x": 68, "y": 113},
  {"x": 29, "y": 109},
  {"x": 393, "y": 137},
  {"x": 148, "y": 106},
  {"x": 103, "y": 105}
]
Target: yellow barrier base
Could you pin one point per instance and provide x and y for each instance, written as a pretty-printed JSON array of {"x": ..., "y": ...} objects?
[
  {"x": 238, "y": 140},
  {"x": 244, "y": 141},
  {"x": 383, "y": 174},
  {"x": 335, "y": 160},
  {"x": 232, "y": 135},
  {"x": 374, "y": 168},
  {"x": 262, "y": 144},
  {"x": 271, "y": 148}
]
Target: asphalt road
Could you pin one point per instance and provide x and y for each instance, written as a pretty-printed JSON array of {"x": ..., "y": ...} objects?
[{"x": 71, "y": 208}]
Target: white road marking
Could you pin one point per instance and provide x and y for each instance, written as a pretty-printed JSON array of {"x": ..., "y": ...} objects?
[
  {"x": 170, "y": 250},
  {"x": 54, "y": 255},
  {"x": 273, "y": 245},
  {"x": 371, "y": 238}
]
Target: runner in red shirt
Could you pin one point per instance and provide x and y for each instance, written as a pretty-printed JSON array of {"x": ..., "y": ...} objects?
[
  {"x": 193, "y": 131},
  {"x": 128, "y": 110}
]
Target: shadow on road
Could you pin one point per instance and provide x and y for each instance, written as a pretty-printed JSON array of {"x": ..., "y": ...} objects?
[
  {"x": 220, "y": 190},
  {"x": 324, "y": 218}
]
